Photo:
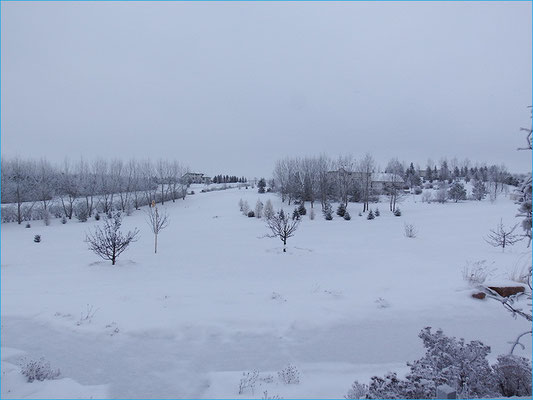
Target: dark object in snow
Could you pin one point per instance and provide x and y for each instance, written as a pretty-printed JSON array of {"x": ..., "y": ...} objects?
[
  {"x": 397, "y": 212},
  {"x": 39, "y": 370},
  {"x": 506, "y": 291},
  {"x": 37, "y": 238},
  {"x": 28, "y": 225},
  {"x": 97, "y": 217},
  {"x": 479, "y": 295},
  {"x": 251, "y": 214},
  {"x": 370, "y": 215}
]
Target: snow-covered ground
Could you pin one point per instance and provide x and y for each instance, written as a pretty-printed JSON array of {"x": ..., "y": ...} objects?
[{"x": 346, "y": 301}]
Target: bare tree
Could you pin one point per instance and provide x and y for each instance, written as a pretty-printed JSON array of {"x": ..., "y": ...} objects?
[
  {"x": 109, "y": 242},
  {"x": 282, "y": 227},
  {"x": 157, "y": 221},
  {"x": 393, "y": 187},
  {"x": 366, "y": 168},
  {"x": 502, "y": 237}
]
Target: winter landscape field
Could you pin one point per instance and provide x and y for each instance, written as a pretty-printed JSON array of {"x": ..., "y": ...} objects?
[
  {"x": 266, "y": 199},
  {"x": 219, "y": 299}
]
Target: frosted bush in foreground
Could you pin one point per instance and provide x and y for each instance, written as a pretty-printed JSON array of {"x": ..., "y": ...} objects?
[
  {"x": 463, "y": 366},
  {"x": 39, "y": 370}
]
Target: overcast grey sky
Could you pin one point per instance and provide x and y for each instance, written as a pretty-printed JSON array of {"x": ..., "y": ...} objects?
[{"x": 231, "y": 87}]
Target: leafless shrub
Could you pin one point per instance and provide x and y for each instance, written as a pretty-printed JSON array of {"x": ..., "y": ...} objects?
[
  {"x": 503, "y": 237},
  {"x": 87, "y": 315},
  {"x": 248, "y": 381},
  {"x": 266, "y": 396},
  {"x": 476, "y": 273},
  {"x": 289, "y": 375},
  {"x": 410, "y": 231},
  {"x": 39, "y": 370}
]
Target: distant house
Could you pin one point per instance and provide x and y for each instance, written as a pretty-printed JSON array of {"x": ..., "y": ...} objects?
[
  {"x": 382, "y": 179},
  {"x": 378, "y": 181},
  {"x": 195, "y": 177}
]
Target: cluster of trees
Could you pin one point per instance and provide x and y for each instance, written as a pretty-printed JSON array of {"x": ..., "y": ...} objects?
[
  {"x": 346, "y": 179},
  {"x": 229, "y": 179},
  {"x": 37, "y": 188}
]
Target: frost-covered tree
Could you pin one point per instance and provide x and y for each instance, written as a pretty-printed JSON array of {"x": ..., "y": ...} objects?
[
  {"x": 109, "y": 242},
  {"x": 268, "y": 211},
  {"x": 502, "y": 236},
  {"x": 393, "y": 187},
  {"x": 157, "y": 222},
  {"x": 341, "y": 210},
  {"x": 457, "y": 192},
  {"x": 370, "y": 215},
  {"x": 245, "y": 208},
  {"x": 258, "y": 209},
  {"x": 282, "y": 227}
]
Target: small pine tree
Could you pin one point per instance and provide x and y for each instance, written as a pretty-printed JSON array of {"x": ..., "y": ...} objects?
[
  {"x": 397, "y": 212},
  {"x": 347, "y": 216},
  {"x": 377, "y": 213},
  {"x": 63, "y": 220},
  {"x": 258, "y": 209},
  {"x": 261, "y": 185},
  {"x": 268, "y": 211},
  {"x": 479, "y": 190},
  {"x": 245, "y": 208},
  {"x": 302, "y": 210},
  {"x": 341, "y": 210},
  {"x": 370, "y": 215},
  {"x": 37, "y": 238},
  {"x": 241, "y": 205},
  {"x": 328, "y": 212}
]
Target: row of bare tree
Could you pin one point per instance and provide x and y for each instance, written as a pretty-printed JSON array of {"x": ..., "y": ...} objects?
[{"x": 104, "y": 184}]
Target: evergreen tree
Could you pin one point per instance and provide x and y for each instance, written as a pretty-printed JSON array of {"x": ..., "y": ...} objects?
[
  {"x": 377, "y": 213},
  {"x": 328, "y": 212},
  {"x": 302, "y": 210},
  {"x": 370, "y": 215},
  {"x": 261, "y": 185},
  {"x": 457, "y": 192},
  {"x": 397, "y": 212},
  {"x": 295, "y": 214},
  {"x": 347, "y": 216},
  {"x": 341, "y": 210},
  {"x": 479, "y": 191}
]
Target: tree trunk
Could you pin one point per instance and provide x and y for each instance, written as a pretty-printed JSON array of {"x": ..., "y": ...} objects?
[
  {"x": 284, "y": 245},
  {"x": 155, "y": 244}
]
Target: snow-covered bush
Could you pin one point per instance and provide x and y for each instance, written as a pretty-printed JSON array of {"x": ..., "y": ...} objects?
[
  {"x": 357, "y": 391},
  {"x": 39, "y": 370},
  {"x": 37, "y": 238},
  {"x": 241, "y": 205},
  {"x": 28, "y": 225},
  {"x": 513, "y": 375},
  {"x": 302, "y": 210},
  {"x": 347, "y": 216},
  {"x": 268, "y": 211},
  {"x": 370, "y": 215},
  {"x": 463, "y": 366},
  {"x": 259, "y": 209},
  {"x": 418, "y": 190},
  {"x": 341, "y": 210},
  {"x": 377, "y": 213},
  {"x": 295, "y": 214},
  {"x": 427, "y": 197},
  {"x": 441, "y": 196},
  {"x": 251, "y": 214},
  {"x": 63, "y": 220},
  {"x": 410, "y": 231},
  {"x": 397, "y": 213},
  {"x": 475, "y": 273},
  {"x": 289, "y": 375},
  {"x": 245, "y": 208}
]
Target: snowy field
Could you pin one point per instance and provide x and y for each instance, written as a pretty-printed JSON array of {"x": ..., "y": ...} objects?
[{"x": 346, "y": 301}]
